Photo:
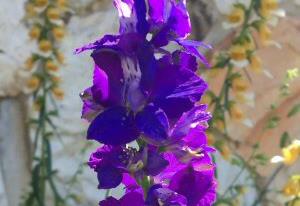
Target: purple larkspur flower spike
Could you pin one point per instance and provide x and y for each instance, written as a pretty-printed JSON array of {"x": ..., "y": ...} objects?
[{"x": 142, "y": 92}]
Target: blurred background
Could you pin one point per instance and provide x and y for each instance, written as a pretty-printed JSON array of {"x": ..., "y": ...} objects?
[{"x": 86, "y": 21}]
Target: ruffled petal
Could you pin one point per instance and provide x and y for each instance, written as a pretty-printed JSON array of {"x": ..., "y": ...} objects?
[
  {"x": 105, "y": 41},
  {"x": 195, "y": 117},
  {"x": 108, "y": 177},
  {"x": 110, "y": 201},
  {"x": 155, "y": 163},
  {"x": 132, "y": 16},
  {"x": 108, "y": 61},
  {"x": 199, "y": 187},
  {"x": 159, "y": 195},
  {"x": 132, "y": 199},
  {"x": 153, "y": 123},
  {"x": 100, "y": 88},
  {"x": 90, "y": 108},
  {"x": 114, "y": 126},
  {"x": 169, "y": 20}
]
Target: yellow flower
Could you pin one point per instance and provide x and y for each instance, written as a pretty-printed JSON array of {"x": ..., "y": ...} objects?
[
  {"x": 60, "y": 57},
  {"x": 58, "y": 93},
  {"x": 255, "y": 64},
  {"x": 41, "y": 3},
  {"x": 51, "y": 66},
  {"x": 239, "y": 85},
  {"x": 265, "y": 34},
  {"x": 210, "y": 138},
  {"x": 45, "y": 45},
  {"x": 58, "y": 33},
  {"x": 53, "y": 13},
  {"x": 236, "y": 113},
  {"x": 291, "y": 153},
  {"x": 267, "y": 6},
  {"x": 35, "y": 32},
  {"x": 292, "y": 188},
  {"x": 33, "y": 83},
  {"x": 30, "y": 10},
  {"x": 61, "y": 3},
  {"x": 238, "y": 52},
  {"x": 237, "y": 16},
  {"x": 55, "y": 79},
  {"x": 29, "y": 63}
]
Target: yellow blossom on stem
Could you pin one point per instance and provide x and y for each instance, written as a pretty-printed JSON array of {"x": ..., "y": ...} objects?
[
  {"x": 292, "y": 188},
  {"x": 291, "y": 153},
  {"x": 53, "y": 13},
  {"x": 237, "y": 16},
  {"x": 58, "y": 33},
  {"x": 255, "y": 64},
  {"x": 41, "y": 3},
  {"x": 29, "y": 63},
  {"x": 33, "y": 83},
  {"x": 58, "y": 93},
  {"x": 55, "y": 79},
  {"x": 30, "y": 10},
  {"x": 61, "y": 3},
  {"x": 236, "y": 113},
  {"x": 239, "y": 85},
  {"x": 45, "y": 45},
  {"x": 51, "y": 66},
  {"x": 238, "y": 52},
  {"x": 267, "y": 6},
  {"x": 35, "y": 32},
  {"x": 265, "y": 34}
]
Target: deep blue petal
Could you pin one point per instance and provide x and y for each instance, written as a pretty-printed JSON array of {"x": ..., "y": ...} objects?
[
  {"x": 155, "y": 163},
  {"x": 109, "y": 62},
  {"x": 109, "y": 177},
  {"x": 114, "y": 126},
  {"x": 153, "y": 123}
]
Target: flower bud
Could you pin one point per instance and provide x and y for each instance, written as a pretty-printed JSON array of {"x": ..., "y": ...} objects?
[
  {"x": 53, "y": 14},
  {"x": 236, "y": 16},
  {"x": 45, "y": 45},
  {"x": 58, "y": 33},
  {"x": 33, "y": 83},
  {"x": 239, "y": 85},
  {"x": 41, "y": 3},
  {"x": 51, "y": 66},
  {"x": 35, "y": 32}
]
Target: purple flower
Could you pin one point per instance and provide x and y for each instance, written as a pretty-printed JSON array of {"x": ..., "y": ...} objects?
[
  {"x": 112, "y": 162},
  {"x": 143, "y": 92}
]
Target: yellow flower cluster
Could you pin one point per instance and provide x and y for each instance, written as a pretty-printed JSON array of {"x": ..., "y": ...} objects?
[
  {"x": 290, "y": 154},
  {"x": 47, "y": 35},
  {"x": 292, "y": 188},
  {"x": 267, "y": 7}
]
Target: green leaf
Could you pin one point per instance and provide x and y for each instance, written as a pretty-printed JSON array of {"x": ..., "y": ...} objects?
[
  {"x": 273, "y": 122},
  {"x": 284, "y": 139},
  {"x": 294, "y": 110},
  {"x": 262, "y": 159}
]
